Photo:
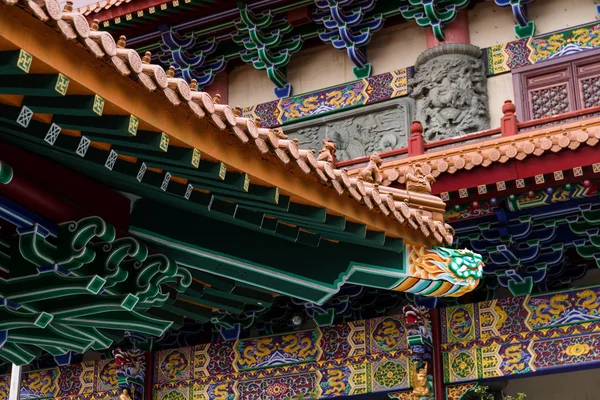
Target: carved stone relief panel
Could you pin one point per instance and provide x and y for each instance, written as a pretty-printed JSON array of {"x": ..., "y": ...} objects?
[
  {"x": 450, "y": 90},
  {"x": 360, "y": 132}
]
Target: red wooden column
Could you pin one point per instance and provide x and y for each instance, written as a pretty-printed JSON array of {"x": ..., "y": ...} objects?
[
  {"x": 456, "y": 31},
  {"x": 149, "y": 375},
  {"x": 438, "y": 366},
  {"x": 220, "y": 86}
]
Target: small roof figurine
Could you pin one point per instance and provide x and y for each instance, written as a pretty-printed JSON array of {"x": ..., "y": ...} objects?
[
  {"x": 327, "y": 152},
  {"x": 372, "y": 173},
  {"x": 417, "y": 180}
]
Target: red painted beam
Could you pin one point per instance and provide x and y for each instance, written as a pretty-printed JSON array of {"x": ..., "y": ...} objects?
[
  {"x": 515, "y": 169},
  {"x": 58, "y": 193}
]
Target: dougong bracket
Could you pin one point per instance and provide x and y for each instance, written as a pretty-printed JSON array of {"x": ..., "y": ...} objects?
[
  {"x": 265, "y": 47},
  {"x": 347, "y": 29},
  {"x": 432, "y": 13},
  {"x": 525, "y": 27},
  {"x": 190, "y": 57}
]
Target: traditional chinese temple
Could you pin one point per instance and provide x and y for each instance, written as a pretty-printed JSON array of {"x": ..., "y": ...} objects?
[{"x": 299, "y": 199}]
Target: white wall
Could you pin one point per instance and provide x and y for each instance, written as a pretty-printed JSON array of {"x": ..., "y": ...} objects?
[
  {"x": 552, "y": 15},
  {"x": 500, "y": 89},
  {"x": 578, "y": 385},
  {"x": 323, "y": 66},
  {"x": 490, "y": 25},
  {"x": 398, "y": 46}
]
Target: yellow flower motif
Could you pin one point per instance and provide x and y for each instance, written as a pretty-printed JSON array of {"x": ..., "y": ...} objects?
[{"x": 578, "y": 349}]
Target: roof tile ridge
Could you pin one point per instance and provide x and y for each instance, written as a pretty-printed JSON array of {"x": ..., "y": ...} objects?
[
  {"x": 419, "y": 211},
  {"x": 483, "y": 154}
]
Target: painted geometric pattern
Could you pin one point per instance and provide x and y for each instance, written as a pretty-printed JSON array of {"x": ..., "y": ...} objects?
[
  {"x": 456, "y": 392},
  {"x": 86, "y": 381},
  {"x": 364, "y": 91},
  {"x": 504, "y": 57},
  {"x": 278, "y": 350},
  {"x": 340, "y": 360},
  {"x": 521, "y": 335},
  {"x": 500, "y": 58},
  {"x": 560, "y": 194}
]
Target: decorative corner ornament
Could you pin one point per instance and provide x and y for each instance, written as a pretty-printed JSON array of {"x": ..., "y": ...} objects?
[
  {"x": 372, "y": 172},
  {"x": 327, "y": 153},
  {"x": 417, "y": 180},
  {"x": 461, "y": 268}
]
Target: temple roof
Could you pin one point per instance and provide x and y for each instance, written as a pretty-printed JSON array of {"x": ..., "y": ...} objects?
[
  {"x": 240, "y": 209},
  {"x": 417, "y": 216}
]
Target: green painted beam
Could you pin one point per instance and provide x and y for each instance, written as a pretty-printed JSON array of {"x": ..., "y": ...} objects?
[
  {"x": 107, "y": 124},
  {"x": 214, "y": 300},
  {"x": 252, "y": 205},
  {"x": 232, "y": 182},
  {"x": 253, "y": 192},
  {"x": 67, "y": 105},
  {"x": 173, "y": 157},
  {"x": 155, "y": 180},
  {"x": 296, "y": 262},
  {"x": 43, "y": 134},
  {"x": 243, "y": 217},
  {"x": 98, "y": 170},
  {"x": 35, "y": 85},
  {"x": 150, "y": 141},
  {"x": 189, "y": 310},
  {"x": 15, "y": 62}
]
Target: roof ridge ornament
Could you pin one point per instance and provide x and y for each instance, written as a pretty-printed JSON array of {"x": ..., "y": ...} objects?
[{"x": 122, "y": 42}]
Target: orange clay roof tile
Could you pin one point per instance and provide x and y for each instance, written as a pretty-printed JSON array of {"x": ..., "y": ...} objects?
[
  {"x": 101, "y": 5},
  {"x": 483, "y": 154},
  {"x": 420, "y": 211}
]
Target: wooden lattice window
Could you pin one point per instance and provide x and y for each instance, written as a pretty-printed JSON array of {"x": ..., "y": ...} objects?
[{"x": 558, "y": 86}]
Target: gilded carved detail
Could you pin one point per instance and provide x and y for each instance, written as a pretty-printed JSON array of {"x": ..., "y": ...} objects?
[{"x": 422, "y": 383}]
